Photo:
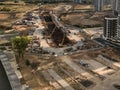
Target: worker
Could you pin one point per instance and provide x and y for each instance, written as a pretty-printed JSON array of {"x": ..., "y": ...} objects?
[{"x": 27, "y": 87}]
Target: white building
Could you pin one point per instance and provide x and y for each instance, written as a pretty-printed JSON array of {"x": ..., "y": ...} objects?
[{"x": 110, "y": 27}]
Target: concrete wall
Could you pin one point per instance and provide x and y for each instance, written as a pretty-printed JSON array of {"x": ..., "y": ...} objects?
[
  {"x": 12, "y": 77},
  {"x": 106, "y": 62}
]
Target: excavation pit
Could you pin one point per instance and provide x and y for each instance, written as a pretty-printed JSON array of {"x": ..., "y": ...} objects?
[{"x": 57, "y": 34}]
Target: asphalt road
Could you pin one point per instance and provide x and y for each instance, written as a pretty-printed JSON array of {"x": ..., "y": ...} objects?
[
  {"x": 108, "y": 43},
  {"x": 4, "y": 83}
]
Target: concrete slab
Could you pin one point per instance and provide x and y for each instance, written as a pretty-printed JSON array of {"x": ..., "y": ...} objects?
[
  {"x": 6, "y": 63},
  {"x": 2, "y": 56},
  {"x": 62, "y": 82},
  {"x": 8, "y": 67},
  {"x": 10, "y": 72},
  {"x": 99, "y": 68},
  {"x": 78, "y": 69},
  {"x": 117, "y": 64},
  {"x": 4, "y": 59},
  {"x": 13, "y": 79},
  {"x": 51, "y": 81},
  {"x": 107, "y": 62},
  {"x": 15, "y": 66},
  {"x": 108, "y": 84},
  {"x": 13, "y": 63},
  {"x": 4, "y": 82}
]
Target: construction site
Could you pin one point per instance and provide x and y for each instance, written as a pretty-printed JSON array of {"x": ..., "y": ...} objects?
[
  {"x": 87, "y": 70},
  {"x": 63, "y": 53},
  {"x": 55, "y": 31},
  {"x": 70, "y": 59}
]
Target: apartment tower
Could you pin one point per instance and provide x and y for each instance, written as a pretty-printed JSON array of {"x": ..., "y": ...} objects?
[
  {"x": 98, "y": 5},
  {"x": 110, "y": 27}
]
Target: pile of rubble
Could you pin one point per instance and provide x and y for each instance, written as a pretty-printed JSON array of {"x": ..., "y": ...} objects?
[{"x": 34, "y": 46}]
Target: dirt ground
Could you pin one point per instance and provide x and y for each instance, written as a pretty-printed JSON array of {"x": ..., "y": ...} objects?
[
  {"x": 72, "y": 19},
  {"x": 4, "y": 16},
  {"x": 85, "y": 19},
  {"x": 33, "y": 65},
  {"x": 34, "y": 77},
  {"x": 16, "y": 11},
  {"x": 115, "y": 54},
  {"x": 109, "y": 83},
  {"x": 83, "y": 6}
]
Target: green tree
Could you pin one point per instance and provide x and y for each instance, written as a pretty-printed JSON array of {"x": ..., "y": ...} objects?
[{"x": 19, "y": 45}]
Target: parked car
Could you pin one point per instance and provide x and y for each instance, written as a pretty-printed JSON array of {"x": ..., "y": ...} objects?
[{"x": 83, "y": 63}]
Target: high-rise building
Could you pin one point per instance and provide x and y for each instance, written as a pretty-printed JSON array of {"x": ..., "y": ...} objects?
[
  {"x": 107, "y": 2},
  {"x": 119, "y": 7},
  {"x": 99, "y": 5},
  {"x": 119, "y": 25},
  {"x": 110, "y": 27},
  {"x": 52, "y": 1},
  {"x": 116, "y": 12},
  {"x": 118, "y": 33},
  {"x": 114, "y": 4},
  {"x": 77, "y": 1}
]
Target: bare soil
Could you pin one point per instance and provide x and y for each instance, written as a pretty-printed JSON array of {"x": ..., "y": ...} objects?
[
  {"x": 33, "y": 77},
  {"x": 4, "y": 16},
  {"x": 85, "y": 19}
]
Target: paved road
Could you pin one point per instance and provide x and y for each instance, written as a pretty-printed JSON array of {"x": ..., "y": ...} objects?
[
  {"x": 109, "y": 43},
  {"x": 4, "y": 83}
]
